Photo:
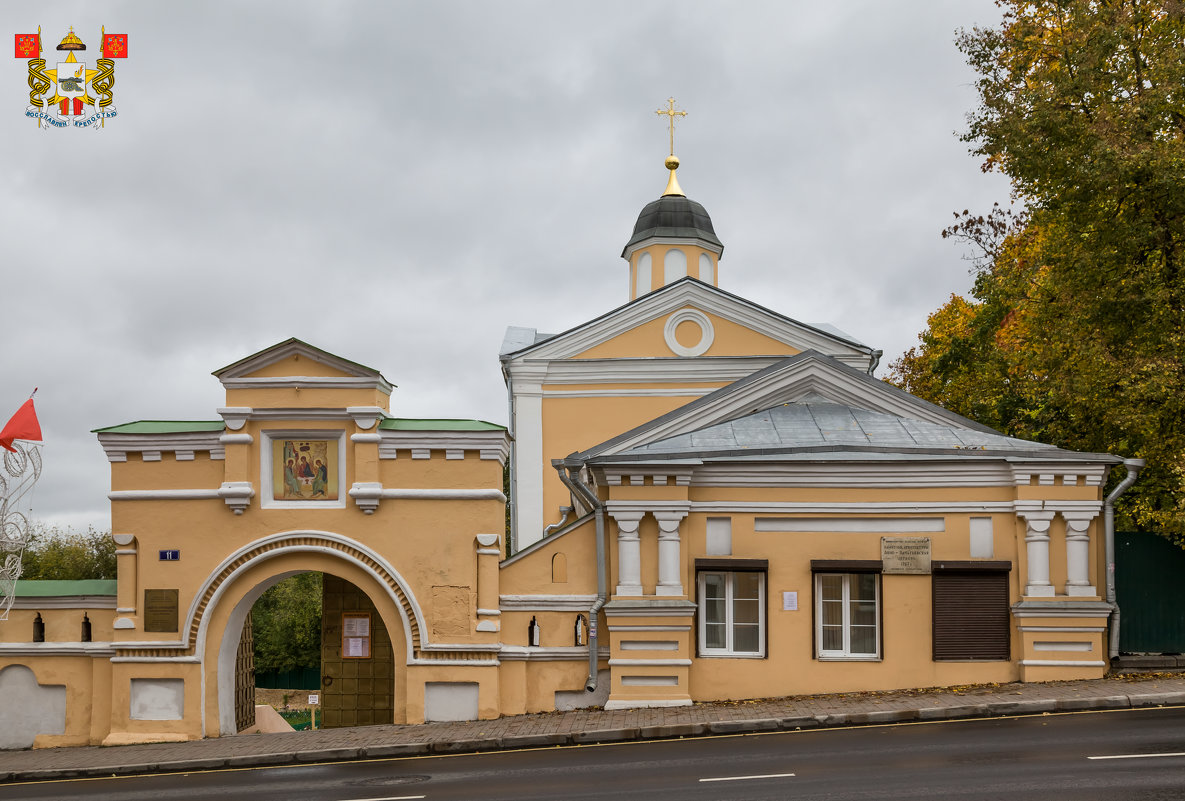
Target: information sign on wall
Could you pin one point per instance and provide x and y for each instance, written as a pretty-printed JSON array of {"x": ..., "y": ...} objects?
[
  {"x": 160, "y": 610},
  {"x": 905, "y": 555},
  {"x": 355, "y": 635}
]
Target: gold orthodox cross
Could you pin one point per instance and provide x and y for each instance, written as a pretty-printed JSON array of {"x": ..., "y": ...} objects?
[{"x": 670, "y": 113}]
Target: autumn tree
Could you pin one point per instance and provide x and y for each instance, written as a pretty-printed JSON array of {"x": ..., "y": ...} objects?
[{"x": 1074, "y": 332}]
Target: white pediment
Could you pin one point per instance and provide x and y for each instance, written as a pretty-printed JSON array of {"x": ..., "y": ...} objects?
[
  {"x": 704, "y": 297},
  {"x": 809, "y": 376},
  {"x": 309, "y": 365}
]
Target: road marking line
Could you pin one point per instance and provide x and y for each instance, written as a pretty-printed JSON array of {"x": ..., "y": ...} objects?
[
  {"x": 746, "y": 778},
  {"x": 1137, "y": 756},
  {"x": 389, "y": 798}
]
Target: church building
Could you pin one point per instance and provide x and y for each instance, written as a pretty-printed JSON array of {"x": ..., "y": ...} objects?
[{"x": 697, "y": 498}]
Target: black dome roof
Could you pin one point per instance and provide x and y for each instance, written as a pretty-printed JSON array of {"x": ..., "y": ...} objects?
[{"x": 674, "y": 216}]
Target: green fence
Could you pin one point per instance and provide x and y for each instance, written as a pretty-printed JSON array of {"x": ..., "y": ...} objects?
[
  {"x": 1150, "y": 590},
  {"x": 301, "y": 679}
]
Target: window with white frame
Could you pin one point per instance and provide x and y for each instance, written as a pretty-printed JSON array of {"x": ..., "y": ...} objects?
[
  {"x": 731, "y": 613},
  {"x": 847, "y": 615}
]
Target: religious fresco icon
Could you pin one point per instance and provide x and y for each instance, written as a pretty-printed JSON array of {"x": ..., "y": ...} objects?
[
  {"x": 304, "y": 470},
  {"x": 73, "y": 86}
]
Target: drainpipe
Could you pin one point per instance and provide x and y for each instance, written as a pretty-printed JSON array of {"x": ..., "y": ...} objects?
[
  {"x": 1133, "y": 470},
  {"x": 579, "y": 490},
  {"x": 567, "y": 510}
]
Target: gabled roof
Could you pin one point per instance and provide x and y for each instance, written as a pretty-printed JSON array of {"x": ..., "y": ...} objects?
[
  {"x": 811, "y": 403},
  {"x": 524, "y": 343},
  {"x": 352, "y": 373}
]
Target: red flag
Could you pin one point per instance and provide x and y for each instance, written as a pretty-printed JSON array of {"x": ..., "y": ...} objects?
[
  {"x": 115, "y": 45},
  {"x": 23, "y": 425},
  {"x": 27, "y": 45}
]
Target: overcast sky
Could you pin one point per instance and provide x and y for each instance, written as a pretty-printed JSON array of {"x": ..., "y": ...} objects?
[{"x": 397, "y": 182}]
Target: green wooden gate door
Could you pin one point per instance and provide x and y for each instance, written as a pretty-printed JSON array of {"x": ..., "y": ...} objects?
[{"x": 1150, "y": 589}]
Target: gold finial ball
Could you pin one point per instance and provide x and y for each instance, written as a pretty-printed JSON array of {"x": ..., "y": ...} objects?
[{"x": 672, "y": 162}]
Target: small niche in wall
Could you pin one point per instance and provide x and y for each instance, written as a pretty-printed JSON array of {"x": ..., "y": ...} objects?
[{"x": 559, "y": 569}]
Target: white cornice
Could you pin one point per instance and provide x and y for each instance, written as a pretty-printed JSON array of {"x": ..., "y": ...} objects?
[
  {"x": 556, "y": 653},
  {"x": 308, "y": 382},
  {"x": 118, "y": 446},
  {"x": 695, "y": 241},
  {"x": 546, "y": 603},
  {"x": 26, "y": 649},
  {"x": 491, "y": 445},
  {"x": 939, "y": 473}
]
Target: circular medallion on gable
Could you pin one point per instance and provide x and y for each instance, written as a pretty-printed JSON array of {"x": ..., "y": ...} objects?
[{"x": 693, "y": 318}]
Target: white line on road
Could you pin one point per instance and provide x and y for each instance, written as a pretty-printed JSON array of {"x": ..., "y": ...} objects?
[
  {"x": 1137, "y": 756},
  {"x": 745, "y": 778},
  {"x": 389, "y": 798}
]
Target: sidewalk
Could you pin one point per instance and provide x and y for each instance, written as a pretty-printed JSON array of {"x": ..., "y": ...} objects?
[{"x": 595, "y": 726}]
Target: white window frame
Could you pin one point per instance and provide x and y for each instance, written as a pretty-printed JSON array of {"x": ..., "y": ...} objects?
[
  {"x": 845, "y": 653},
  {"x": 728, "y": 651}
]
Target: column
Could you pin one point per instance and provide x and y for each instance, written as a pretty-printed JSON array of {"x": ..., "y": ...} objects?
[
  {"x": 126, "y": 589},
  {"x": 1037, "y": 545},
  {"x": 670, "y": 565},
  {"x": 1078, "y": 553},
  {"x": 629, "y": 553}
]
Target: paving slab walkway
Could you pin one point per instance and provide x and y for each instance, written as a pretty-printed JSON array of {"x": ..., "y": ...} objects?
[{"x": 597, "y": 725}]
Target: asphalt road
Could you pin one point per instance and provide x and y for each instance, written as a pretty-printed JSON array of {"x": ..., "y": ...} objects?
[{"x": 1136, "y": 754}]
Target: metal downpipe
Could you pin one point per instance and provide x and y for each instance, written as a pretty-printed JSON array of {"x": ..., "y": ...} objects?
[
  {"x": 1133, "y": 471},
  {"x": 583, "y": 492}
]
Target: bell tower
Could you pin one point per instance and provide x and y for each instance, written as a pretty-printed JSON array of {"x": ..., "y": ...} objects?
[{"x": 673, "y": 236}]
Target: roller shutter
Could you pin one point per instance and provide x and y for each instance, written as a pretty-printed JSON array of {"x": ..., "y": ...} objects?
[{"x": 971, "y": 619}]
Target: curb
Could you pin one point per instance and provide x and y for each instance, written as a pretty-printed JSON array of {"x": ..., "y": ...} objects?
[{"x": 594, "y": 736}]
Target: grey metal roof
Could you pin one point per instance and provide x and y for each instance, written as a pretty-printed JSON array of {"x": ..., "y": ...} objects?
[
  {"x": 673, "y": 216},
  {"x": 817, "y": 425}
]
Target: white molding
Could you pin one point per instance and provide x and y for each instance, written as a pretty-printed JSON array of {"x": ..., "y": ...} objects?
[
  {"x": 65, "y": 602},
  {"x": 649, "y": 662},
  {"x": 678, "y": 392},
  {"x": 883, "y": 507},
  {"x": 366, "y": 439},
  {"x": 639, "y": 370},
  {"x": 308, "y": 382},
  {"x": 693, "y": 241},
  {"x": 546, "y": 603},
  {"x": 625, "y": 628},
  {"x": 443, "y": 495},
  {"x": 886, "y": 525},
  {"x": 164, "y": 495},
  {"x": 267, "y": 438},
  {"x": 95, "y": 649},
  {"x": 1061, "y": 663},
  {"x": 1075, "y": 629},
  {"x": 645, "y": 704},
  {"x": 236, "y": 439},
  {"x": 366, "y": 417},
  {"x": 858, "y": 470},
  {"x": 191, "y": 660},
  {"x": 235, "y": 417},
  {"x": 549, "y": 653},
  {"x": 689, "y": 315},
  {"x": 123, "y": 539}
]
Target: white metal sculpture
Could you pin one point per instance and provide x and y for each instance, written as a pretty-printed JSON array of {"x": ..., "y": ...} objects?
[{"x": 22, "y": 468}]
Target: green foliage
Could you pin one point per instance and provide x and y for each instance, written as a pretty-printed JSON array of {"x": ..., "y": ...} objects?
[
  {"x": 56, "y": 554},
  {"x": 287, "y": 625},
  {"x": 1075, "y": 333}
]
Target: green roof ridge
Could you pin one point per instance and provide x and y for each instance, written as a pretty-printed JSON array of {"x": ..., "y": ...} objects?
[
  {"x": 162, "y": 427},
  {"x": 437, "y": 424}
]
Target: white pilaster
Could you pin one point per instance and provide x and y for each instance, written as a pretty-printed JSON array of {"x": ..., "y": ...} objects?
[
  {"x": 1078, "y": 553},
  {"x": 629, "y": 553},
  {"x": 670, "y": 578},
  {"x": 1037, "y": 546}
]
